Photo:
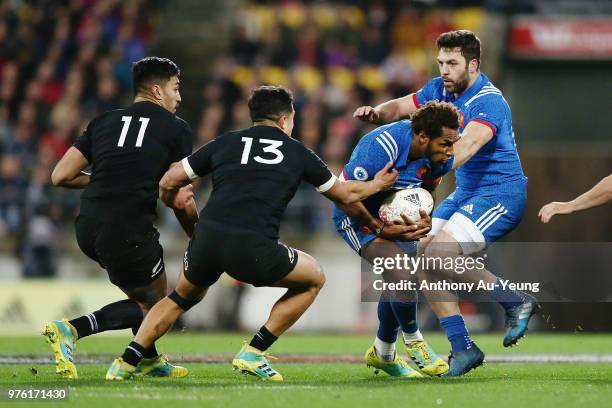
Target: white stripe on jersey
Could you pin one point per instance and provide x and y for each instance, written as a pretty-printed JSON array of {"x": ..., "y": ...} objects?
[
  {"x": 393, "y": 142},
  {"x": 188, "y": 170},
  {"x": 482, "y": 93},
  {"x": 384, "y": 146},
  {"x": 327, "y": 185},
  {"x": 385, "y": 139}
]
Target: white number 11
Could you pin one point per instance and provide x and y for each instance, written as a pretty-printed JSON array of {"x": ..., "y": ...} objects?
[{"x": 126, "y": 125}]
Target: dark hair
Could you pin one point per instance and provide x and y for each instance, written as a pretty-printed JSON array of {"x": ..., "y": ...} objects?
[
  {"x": 464, "y": 39},
  {"x": 150, "y": 70},
  {"x": 431, "y": 117},
  {"x": 269, "y": 102}
]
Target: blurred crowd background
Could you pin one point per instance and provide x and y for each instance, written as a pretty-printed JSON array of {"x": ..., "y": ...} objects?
[{"x": 62, "y": 62}]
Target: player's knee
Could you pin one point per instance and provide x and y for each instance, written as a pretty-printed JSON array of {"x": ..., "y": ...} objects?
[{"x": 320, "y": 280}]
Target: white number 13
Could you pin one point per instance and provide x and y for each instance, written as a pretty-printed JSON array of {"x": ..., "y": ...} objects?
[{"x": 272, "y": 147}]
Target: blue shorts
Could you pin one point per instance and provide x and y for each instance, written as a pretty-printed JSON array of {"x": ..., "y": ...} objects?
[
  {"x": 357, "y": 236},
  {"x": 480, "y": 217}
]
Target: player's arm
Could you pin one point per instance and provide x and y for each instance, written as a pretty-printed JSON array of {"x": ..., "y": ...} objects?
[
  {"x": 474, "y": 136},
  {"x": 176, "y": 192},
  {"x": 387, "y": 112},
  {"x": 347, "y": 192},
  {"x": 68, "y": 172},
  {"x": 600, "y": 194}
]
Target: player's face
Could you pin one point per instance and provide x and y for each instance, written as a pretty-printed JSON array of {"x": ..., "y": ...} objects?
[
  {"x": 440, "y": 149},
  {"x": 453, "y": 70},
  {"x": 170, "y": 95}
]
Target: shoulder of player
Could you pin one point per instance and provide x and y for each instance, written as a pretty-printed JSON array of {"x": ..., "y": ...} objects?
[
  {"x": 394, "y": 133},
  {"x": 182, "y": 123},
  {"x": 488, "y": 94}
]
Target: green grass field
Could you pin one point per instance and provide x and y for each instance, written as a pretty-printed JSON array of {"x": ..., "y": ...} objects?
[{"x": 323, "y": 384}]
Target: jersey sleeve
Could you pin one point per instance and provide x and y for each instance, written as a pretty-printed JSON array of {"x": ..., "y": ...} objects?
[
  {"x": 374, "y": 151},
  {"x": 83, "y": 142},
  {"x": 490, "y": 110},
  {"x": 316, "y": 172},
  {"x": 184, "y": 142},
  {"x": 200, "y": 162},
  {"x": 428, "y": 92}
]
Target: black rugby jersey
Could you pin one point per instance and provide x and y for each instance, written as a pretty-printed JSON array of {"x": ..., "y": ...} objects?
[
  {"x": 130, "y": 149},
  {"x": 255, "y": 173}
]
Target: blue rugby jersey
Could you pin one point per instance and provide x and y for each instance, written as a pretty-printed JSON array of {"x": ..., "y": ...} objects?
[
  {"x": 387, "y": 143},
  {"x": 497, "y": 163}
]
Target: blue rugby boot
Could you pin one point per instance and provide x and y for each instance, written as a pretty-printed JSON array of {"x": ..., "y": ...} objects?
[
  {"x": 461, "y": 362},
  {"x": 517, "y": 319}
]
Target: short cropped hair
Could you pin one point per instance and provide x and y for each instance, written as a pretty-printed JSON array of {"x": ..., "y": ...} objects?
[
  {"x": 465, "y": 40},
  {"x": 269, "y": 103},
  {"x": 431, "y": 117},
  {"x": 152, "y": 70}
]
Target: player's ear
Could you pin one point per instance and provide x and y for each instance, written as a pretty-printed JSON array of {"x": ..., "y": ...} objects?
[
  {"x": 473, "y": 66},
  {"x": 423, "y": 138},
  {"x": 156, "y": 90}
]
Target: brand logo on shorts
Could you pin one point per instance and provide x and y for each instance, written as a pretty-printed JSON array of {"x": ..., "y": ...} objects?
[
  {"x": 468, "y": 208},
  {"x": 185, "y": 262},
  {"x": 159, "y": 266},
  {"x": 360, "y": 173}
]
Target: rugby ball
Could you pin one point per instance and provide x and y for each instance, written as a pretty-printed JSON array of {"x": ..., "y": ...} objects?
[{"x": 407, "y": 201}]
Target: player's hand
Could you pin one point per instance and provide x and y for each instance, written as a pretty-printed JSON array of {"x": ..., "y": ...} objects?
[
  {"x": 424, "y": 222},
  {"x": 552, "y": 209},
  {"x": 367, "y": 114},
  {"x": 183, "y": 197},
  {"x": 386, "y": 177},
  {"x": 408, "y": 230}
]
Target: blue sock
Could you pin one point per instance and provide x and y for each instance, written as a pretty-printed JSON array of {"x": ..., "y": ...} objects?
[
  {"x": 457, "y": 333},
  {"x": 406, "y": 314},
  {"x": 507, "y": 298},
  {"x": 387, "y": 326}
]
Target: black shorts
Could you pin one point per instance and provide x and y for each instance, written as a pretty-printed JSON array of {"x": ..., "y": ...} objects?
[
  {"x": 245, "y": 255},
  {"x": 129, "y": 251}
]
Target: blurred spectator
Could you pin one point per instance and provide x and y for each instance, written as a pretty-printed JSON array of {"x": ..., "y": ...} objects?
[{"x": 61, "y": 63}]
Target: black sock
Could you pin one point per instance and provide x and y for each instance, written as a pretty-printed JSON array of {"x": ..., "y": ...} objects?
[
  {"x": 133, "y": 354},
  {"x": 151, "y": 352},
  {"x": 116, "y": 316},
  {"x": 263, "y": 339}
]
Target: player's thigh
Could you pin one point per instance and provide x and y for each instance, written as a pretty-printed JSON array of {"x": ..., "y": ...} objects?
[
  {"x": 86, "y": 232},
  {"x": 201, "y": 264},
  {"x": 307, "y": 272},
  {"x": 484, "y": 218},
  {"x": 356, "y": 237},
  {"x": 443, "y": 212},
  {"x": 149, "y": 294},
  {"x": 130, "y": 252}
]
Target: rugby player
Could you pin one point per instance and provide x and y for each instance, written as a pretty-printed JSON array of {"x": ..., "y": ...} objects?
[
  {"x": 421, "y": 150},
  {"x": 129, "y": 150}
]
